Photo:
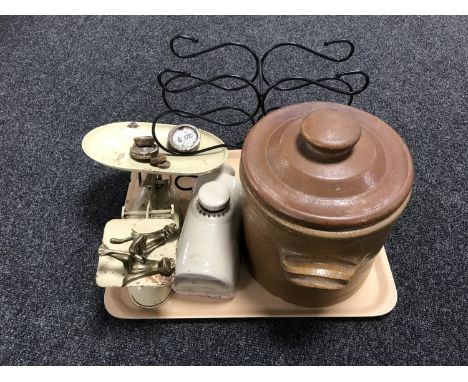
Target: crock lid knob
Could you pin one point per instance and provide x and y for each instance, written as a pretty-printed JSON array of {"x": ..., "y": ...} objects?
[{"x": 331, "y": 133}]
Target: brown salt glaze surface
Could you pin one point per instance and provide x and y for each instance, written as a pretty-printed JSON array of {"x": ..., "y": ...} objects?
[
  {"x": 327, "y": 132},
  {"x": 326, "y": 165}
]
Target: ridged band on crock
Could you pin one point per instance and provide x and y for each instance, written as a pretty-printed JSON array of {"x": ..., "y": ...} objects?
[{"x": 295, "y": 225}]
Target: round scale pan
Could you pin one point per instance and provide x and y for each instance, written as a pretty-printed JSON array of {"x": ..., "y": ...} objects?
[{"x": 110, "y": 145}]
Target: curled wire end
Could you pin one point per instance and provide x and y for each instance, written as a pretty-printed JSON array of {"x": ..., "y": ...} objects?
[
  {"x": 214, "y": 48},
  {"x": 349, "y": 43},
  {"x": 180, "y": 37},
  {"x": 308, "y": 50},
  {"x": 193, "y": 39}
]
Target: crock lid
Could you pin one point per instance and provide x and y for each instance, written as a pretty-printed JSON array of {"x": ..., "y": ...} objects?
[{"x": 327, "y": 165}]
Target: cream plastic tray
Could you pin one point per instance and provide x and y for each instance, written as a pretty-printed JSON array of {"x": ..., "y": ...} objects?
[
  {"x": 110, "y": 145},
  {"x": 376, "y": 297}
]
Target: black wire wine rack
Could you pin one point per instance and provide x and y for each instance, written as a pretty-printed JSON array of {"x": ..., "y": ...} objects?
[{"x": 178, "y": 82}]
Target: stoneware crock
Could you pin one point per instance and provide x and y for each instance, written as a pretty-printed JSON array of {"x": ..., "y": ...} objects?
[{"x": 323, "y": 186}]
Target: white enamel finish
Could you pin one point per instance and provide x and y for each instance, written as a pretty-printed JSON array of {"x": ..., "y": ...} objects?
[
  {"x": 110, "y": 145},
  {"x": 207, "y": 252},
  {"x": 214, "y": 196}
]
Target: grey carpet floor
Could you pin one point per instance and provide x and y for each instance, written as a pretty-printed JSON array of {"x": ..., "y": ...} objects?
[{"x": 62, "y": 76}]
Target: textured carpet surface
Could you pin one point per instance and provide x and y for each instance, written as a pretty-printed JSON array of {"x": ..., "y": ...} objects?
[{"x": 62, "y": 76}]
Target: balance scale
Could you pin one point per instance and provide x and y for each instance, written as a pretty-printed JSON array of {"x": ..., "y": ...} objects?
[{"x": 153, "y": 202}]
